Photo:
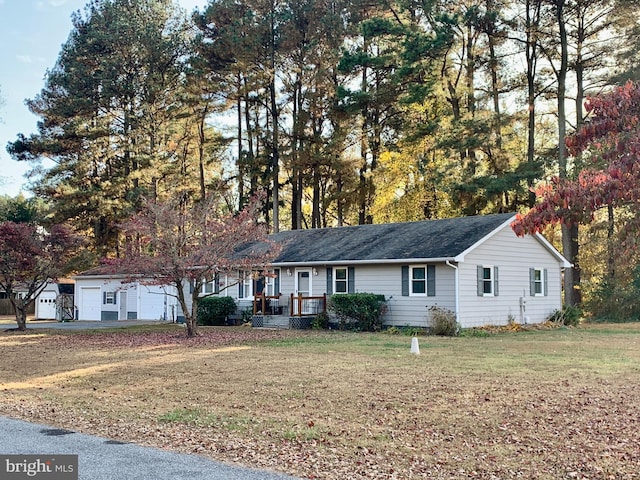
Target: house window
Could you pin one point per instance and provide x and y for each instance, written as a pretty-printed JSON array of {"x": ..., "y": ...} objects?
[
  {"x": 271, "y": 284},
  {"x": 109, "y": 298},
  {"x": 419, "y": 280},
  {"x": 245, "y": 284},
  {"x": 266, "y": 284},
  {"x": 487, "y": 281},
  {"x": 211, "y": 286},
  {"x": 341, "y": 282},
  {"x": 538, "y": 282}
]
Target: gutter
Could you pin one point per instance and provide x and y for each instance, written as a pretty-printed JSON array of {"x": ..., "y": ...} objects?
[
  {"x": 387, "y": 261},
  {"x": 457, "y": 288}
]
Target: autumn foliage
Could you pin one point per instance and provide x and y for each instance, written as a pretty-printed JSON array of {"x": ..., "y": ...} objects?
[
  {"x": 608, "y": 148},
  {"x": 186, "y": 246},
  {"x": 29, "y": 258}
]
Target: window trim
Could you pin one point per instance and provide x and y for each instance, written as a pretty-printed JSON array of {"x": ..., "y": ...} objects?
[
  {"x": 109, "y": 295},
  {"x": 245, "y": 284},
  {"x": 492, "y": 281},
  {"x": 213, "y": 285},
  {"x": 412, "y": 279},
  {"x": 542, "y": 282},
  {"x": 429, "y": 280},
  {"x": 344, "y": 280}
]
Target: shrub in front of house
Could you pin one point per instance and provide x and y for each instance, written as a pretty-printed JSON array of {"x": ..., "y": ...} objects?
[
  {"x": 570, "y": 316},
  {"x": 215, "y": 310},
  {"x": 443, "y": 322},
  {"x": 357, "y": 311},
  {"x": 320, "y": 321}
]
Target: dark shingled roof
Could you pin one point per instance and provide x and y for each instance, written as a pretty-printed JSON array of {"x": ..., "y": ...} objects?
[{"x": 428, "y": 239}]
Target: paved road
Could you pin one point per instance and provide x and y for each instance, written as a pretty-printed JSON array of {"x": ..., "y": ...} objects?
[{"x": 101, "y": 459}]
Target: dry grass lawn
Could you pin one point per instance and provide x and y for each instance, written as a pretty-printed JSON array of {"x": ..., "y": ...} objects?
[{"x": 537, "y": 405}]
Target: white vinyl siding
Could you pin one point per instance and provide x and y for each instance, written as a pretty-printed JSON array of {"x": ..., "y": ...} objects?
[
  {"x": 513, "y": 256},
  {"x": 407, "y": 310}
]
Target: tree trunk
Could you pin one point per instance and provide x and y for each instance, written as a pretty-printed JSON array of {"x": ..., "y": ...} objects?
[
  {"x": 190, "y": 316},
  {"x": 532, "y": 22},
  {"x": 20, "y": 310},
  {"x": 569, "y": 233},
  {"x": 611, "y": 259}
]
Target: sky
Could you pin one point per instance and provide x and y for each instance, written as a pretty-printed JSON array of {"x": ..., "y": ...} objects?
[{"x": 31, "y": 35}]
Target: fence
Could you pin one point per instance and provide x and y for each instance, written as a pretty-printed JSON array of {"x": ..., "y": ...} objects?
[{"x": 7, "y": 309}]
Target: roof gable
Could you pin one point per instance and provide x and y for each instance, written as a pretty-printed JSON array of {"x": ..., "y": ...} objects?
[{"x": 427, "y": 240}]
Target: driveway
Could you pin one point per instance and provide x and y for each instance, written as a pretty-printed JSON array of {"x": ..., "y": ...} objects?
[
  {"x": 103, "y": 459},
  {"x": 7, "y": 322}
]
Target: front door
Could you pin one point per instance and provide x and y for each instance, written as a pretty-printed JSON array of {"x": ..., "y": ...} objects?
[{"x": 304, "y": 289}]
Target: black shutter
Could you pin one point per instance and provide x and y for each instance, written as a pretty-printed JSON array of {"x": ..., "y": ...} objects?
[
  {"x": 532, "y": 282},
  {"x": 405, "y": 280},
  {"x": 431, "y": 280},
  {"x": 329, "y": 280},
  {"x": 351, "y": 282}
]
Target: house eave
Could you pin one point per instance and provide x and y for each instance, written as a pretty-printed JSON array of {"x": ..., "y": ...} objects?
[{"x": 386, "y": 261}]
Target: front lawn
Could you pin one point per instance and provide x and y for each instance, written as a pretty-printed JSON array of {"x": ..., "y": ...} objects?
[{"x": 545, "y": 404}]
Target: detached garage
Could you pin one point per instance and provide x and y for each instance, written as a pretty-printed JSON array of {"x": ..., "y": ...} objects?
[
  {"x": 89, "y": 303},
  {"x": 104, "y": 296},
  {"x": 56, "y": 302}
]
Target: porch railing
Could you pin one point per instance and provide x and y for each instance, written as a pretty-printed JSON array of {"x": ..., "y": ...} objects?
[
  {"x": 300, "y": 306},
  {"x": 267, "y": 304}
]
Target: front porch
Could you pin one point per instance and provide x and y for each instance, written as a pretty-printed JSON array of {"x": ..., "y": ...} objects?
[{"x": 294, "y": 312}]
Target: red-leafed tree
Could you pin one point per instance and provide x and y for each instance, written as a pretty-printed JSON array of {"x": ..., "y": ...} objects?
[
  {"x": 184, "y": 246},
  {"x": 608, "y": 147},
  {"x": 29, "y": 258}
]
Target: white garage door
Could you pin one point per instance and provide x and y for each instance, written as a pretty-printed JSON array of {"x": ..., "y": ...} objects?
[
  {"x": 46, "y": 306},
  {"x": 89, "y": 304}
]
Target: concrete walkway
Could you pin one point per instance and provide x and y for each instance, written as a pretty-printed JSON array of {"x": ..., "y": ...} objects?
[{"x": 102, "y": 459}]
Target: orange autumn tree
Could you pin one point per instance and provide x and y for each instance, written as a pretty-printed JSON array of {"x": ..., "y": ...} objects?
[
  {"x": 186, "y": 246},
  {"x": 608, "y": 149}
]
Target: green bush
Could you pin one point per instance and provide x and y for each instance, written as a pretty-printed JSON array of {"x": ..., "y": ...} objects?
[
  {"x": 616, "y": 301},
  {"x": 570, "y": 315},
  {"x": 215, "y": 310},
  {"x": 406, "y": 331},
  {"x": 443, "y": 322},
  {"x": 358, "y": 311},
  {"x": 320, "y": 321}
]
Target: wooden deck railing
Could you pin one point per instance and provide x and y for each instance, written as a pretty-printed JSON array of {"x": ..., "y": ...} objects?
[
  {"x": 300, "y": 306},
  {"x": 267, "y": 304}
]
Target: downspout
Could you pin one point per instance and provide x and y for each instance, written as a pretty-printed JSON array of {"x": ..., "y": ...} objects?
[{"x": 456, "y": 288}]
